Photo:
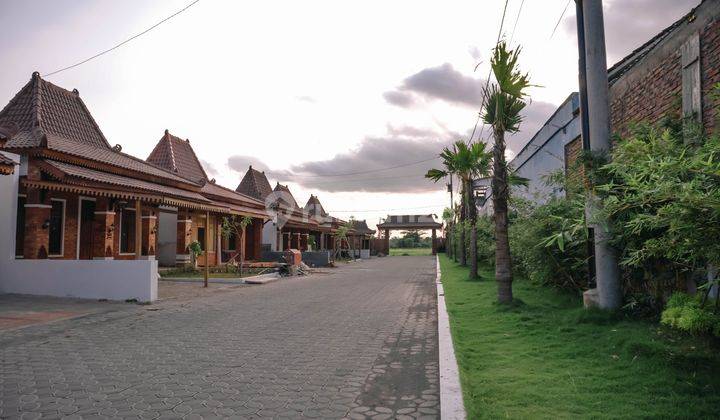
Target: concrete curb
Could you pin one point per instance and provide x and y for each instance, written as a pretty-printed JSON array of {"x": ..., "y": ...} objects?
[{"x": 451, "y": 399}]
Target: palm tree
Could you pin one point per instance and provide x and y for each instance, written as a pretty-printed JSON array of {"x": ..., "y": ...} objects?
[
  {"x": 467, "y": 162},
  {"x": 505, "y": 101}
]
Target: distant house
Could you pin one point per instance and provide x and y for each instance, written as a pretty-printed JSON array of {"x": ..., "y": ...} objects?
[
  {"x": 177, "y": 156},
  {"x": 361, "y": 238},
  {"x": 290, "y": 226}
]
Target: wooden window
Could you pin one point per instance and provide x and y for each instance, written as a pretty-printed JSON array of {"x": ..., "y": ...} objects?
[
  {"x": 57, "y": 228},
  {"x": 20, "y": 227},
  {"x": 201, "y": 237},
  {"x": 127, "y": 231},
  {"x": 691, "y": 85}
]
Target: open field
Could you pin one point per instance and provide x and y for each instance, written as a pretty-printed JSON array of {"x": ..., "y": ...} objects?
[
  {"x": 410, "y": 251},
  {"x": 547, "y": 357}
]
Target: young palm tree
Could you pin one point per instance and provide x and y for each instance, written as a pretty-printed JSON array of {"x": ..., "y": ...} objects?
[
  {"x": 505, "y": 101},
  {"x": 467, "y": 162}
]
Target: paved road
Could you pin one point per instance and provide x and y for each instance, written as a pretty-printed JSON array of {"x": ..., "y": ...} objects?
[{"x": 360, "y": 342}]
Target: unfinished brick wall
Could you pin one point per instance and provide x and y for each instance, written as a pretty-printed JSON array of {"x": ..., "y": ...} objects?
[{"x": 652, "y": 89}]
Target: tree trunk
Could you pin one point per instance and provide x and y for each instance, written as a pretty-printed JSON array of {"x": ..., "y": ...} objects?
[
  {"x": 500, "y": 192},
  {"x": 463, "y": 209},
  {"x": 472, "y": 213}
]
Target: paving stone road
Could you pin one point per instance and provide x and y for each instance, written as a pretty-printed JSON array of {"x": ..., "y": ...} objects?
[{"x": 360, "y": 342}]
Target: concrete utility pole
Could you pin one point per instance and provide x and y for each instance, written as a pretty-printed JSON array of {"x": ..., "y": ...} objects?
[{"x": 596, "y": 115}]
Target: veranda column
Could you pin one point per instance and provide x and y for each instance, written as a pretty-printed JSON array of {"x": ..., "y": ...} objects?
[
  {"x": 138, "y": 230},
  {"x": 434, "y": 242},
  {"x": 103, "y": 230},
  {"x": 149, "y": 233},
  {"x": 184, "y": 234},
  {"x": 37, "y": 227},
  {"x": 257, "y": 227}
]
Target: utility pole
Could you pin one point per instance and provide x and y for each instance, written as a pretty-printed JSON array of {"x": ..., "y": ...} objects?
[{"x": 596, "y": 126}]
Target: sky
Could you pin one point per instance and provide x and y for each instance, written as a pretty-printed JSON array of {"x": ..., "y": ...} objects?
[{"x": 323, "y": 95}]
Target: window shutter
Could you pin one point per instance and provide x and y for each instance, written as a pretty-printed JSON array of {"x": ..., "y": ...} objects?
[{"x": 691, "y": 84}]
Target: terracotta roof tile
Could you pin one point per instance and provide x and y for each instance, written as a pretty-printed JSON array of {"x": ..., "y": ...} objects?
[
  {"x": 287, "y": 200},
  {"x": 7, "y": 165},
  {"x": 361, "y": 227},
  {"x": 66, "y": 172},
  {"x": 255, "y": 184},
  {"x": 177, "y": 155},
  {"x": 314, "y": 207},
  {"x": 45, "y": 115}
]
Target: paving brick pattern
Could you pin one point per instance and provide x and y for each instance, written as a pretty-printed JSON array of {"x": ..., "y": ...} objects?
[{"x": 360, "y": 342}]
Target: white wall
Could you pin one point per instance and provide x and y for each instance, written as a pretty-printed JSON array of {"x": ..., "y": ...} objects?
[
  {"x": 167, "y": 238},
  {"x": 270, "y": 235},
  {"x": 93, "y": 279}
]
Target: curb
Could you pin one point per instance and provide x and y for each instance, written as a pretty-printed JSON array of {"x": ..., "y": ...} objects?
[{"x": 451, "y": 399}]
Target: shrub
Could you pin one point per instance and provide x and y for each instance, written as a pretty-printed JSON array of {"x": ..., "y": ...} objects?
[{"x": 687, "y": 314}]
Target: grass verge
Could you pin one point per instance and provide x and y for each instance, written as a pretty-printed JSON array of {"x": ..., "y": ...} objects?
[
  {"x": 547, "y": 357},
  {"x": 410, "y": 251}
]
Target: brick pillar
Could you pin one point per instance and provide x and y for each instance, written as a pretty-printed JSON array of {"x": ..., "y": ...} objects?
[
  {"x": 184, "y": 236},
  {"x": 37, "y": 229},
  {"x": 103, "y": 230},
  {"x": 149, "y": 233},
  {"x": 257, "y": 227}
]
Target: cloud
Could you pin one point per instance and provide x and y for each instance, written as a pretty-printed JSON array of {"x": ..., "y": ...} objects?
[
  {"x": 443, "y": 82},
  {"x": 398, "y": 98},
  {"x": 398, "y": 147},
  {"x": 630, "y": 23},
  {"x": 240, "y": 163},
  {"x": 308, "y": 99},
  {"x": 210, "y": 169}
]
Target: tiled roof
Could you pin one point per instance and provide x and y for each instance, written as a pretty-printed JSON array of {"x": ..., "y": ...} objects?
[
  {"x": 177, "y": 155},
  {"x": 361, "y": 227},
  {"x": 7, "y": 165},
  {"x": 220, "y": 191},
  {"x": 45, "y": 115},
  {"x": 255, "y": 184},
  {"x": 314, "y": 207},
  {"x": 54, "y": 110},
  {"x": 410, "y": 220},
  {"x": 67, "y": 172},
  {"x": 288, "y": 199}
]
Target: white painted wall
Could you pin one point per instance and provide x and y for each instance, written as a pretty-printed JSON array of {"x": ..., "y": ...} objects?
[
  {"x": 167, "y": 238},
  {"x": 270, "y": 235},
  {"x": 92, "y": 279}
]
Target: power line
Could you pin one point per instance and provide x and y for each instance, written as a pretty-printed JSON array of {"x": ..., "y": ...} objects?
[
  {"x": 487, "y": 81},
  {"x": 383, "y": 210},
  {"x": 357, "y": 173},
  {"x": 122, "y": 43},
  {"x": 517, "y": 19},
  {"x": 560, "y": 19}
]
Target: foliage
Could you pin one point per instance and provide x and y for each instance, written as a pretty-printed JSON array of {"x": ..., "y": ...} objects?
[
  {"x": 411, "y": 239},
  {"x": 195, "y": 249},
  {"x": 547, "y": 357},
  {"x": 485, "y": 240},
  {"x": 548, "y": 242},
  {"x": 687, "y": 313}
]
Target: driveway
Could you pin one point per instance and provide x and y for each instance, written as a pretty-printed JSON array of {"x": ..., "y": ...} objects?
[{"x": 358, "y": 341}]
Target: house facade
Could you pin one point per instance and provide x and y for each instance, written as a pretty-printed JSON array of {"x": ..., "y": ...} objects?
[{"x": 78, "y": 206}]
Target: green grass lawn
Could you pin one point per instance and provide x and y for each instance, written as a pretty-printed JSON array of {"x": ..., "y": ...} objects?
[
  {"x": 410, "y": 251},
  {"x": 547, "y": 357}
]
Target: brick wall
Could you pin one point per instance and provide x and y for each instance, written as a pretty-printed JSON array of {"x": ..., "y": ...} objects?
[{"x": 652, "y": 89}]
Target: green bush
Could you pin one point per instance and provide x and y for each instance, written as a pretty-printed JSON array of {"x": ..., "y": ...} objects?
[{"x": 687, "y": 314}]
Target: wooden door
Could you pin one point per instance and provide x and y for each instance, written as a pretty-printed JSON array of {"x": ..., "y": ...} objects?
[{"x": 87, "y": 219}]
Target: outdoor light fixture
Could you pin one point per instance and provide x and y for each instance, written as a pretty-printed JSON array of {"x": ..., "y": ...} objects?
[{"x": 46, "y": 224}]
